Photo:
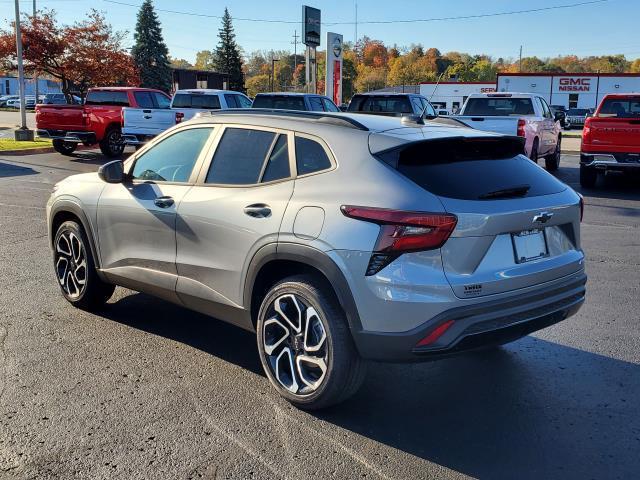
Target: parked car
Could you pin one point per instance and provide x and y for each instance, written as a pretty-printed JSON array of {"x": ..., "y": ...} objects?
[
  {"x": 391, "y": 104},
  {"x": 97, "y": 121},
  {"x": 6, "y": 98},
  {"x": 576, "y": 117},
  {"x": 295, "y": 101},
  {"x": 29, "y": 102},
  {"x": 523, "y": 114},
  {"x": 58, "y": 99},
  {"x": 269, "y": 220},
  {"x": 560, "y": 113},
  {"x": 155, "y": 113},
  {"x": 611, "y": 138}
]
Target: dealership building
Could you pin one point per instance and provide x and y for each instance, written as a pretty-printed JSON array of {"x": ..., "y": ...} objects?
[
  {"x": 451, "y": 95},
  {"x": 571, "y": 90}
]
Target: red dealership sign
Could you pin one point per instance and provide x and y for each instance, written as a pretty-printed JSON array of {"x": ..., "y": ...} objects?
[{"x": 568, "y": 84}]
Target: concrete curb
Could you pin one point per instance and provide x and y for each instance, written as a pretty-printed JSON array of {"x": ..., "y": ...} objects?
[{"x": 40, "y": 150}]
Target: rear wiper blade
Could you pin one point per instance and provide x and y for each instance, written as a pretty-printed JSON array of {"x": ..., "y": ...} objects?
[{"x": 517, "y": 191}]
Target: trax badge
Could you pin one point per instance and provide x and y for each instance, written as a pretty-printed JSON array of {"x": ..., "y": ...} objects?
[
  {"x": 542, "y": 217},
  {"x": 473, "y": 290}
]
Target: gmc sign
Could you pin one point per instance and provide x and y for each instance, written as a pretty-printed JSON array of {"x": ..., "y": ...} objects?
[{"x": 568, "y": 84}]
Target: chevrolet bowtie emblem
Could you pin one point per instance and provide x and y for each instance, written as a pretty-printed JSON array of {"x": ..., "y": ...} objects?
[{"x": 542, "y": 217}]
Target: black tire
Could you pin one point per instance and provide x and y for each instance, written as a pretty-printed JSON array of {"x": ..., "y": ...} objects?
[
  {"x": 93, "y": 293},
  {"x": 552, "y": 161},
  {"x": 588, "y": 176},
  {"x": 345, "y": 370},
  {"x": 65, "y": 148},
  {"x": 534, "y": 151},
  {"x": 112, "y": 145}
]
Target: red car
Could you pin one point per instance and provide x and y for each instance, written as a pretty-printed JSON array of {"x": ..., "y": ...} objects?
[
  {"x": 97, "y": 121},
  {"x": 611, "y": 138}
]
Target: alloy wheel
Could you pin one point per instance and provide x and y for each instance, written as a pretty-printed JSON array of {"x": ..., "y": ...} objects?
[
  {"x": 71, "y": 264},
  {"x": 295, "y": 344},
  {"x": 116, "y": 145}
]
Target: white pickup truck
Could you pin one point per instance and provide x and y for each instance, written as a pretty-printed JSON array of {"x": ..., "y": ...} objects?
[
  {"x": 523, "y": 114},
  {"x": 139, "y": 125}
]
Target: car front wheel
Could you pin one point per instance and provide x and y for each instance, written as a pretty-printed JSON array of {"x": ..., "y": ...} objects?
[
  {"x": 305, "y": 344},
  {"x": 75, "y": 269}
]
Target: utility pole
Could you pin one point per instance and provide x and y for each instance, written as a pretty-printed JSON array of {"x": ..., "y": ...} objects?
[
  {"x": 35, "y": 77},
  {"x": 23, "y": 133},
  {"x": 355, "y": 43},
  {"x": 295, "y": 51},
  {"x": 520, "y": 61}
]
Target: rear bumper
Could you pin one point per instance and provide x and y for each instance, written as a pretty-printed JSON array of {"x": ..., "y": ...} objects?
[
  {"x": 479, "y": 325},
  {"x": 611, "y": 160},
  {"x": 67, "y": 136}
]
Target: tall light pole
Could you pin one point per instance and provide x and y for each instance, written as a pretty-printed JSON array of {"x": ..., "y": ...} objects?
[
  {"x": 22, "y": 133},
  {"x": 35, "y": 77}
]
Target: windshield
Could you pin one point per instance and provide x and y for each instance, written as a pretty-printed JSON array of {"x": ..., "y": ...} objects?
[
  {"x": 620, "y": 108},
  {"x": 286, "y": 102},
  {"x": 382, "y": 103},
  {"x": 494, "y": 107},
  {"x": 196, "y": 100}
]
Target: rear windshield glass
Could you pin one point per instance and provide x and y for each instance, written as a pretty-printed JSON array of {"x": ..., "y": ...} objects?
[
  {"x": 620, "y": 108},
  {"x": 472, "y": 170},
  {"x": 191, "y": 100},
  {"x": 106, "y": 97},
  {"x": 279, "y": 101},
  {"x": 577, "y": 112},
  {"x": 493, "y": 107},
  {"x": 382, "y": 104}
]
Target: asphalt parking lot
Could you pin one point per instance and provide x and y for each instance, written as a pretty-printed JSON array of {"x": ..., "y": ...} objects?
[{"x": 149, "y": 390}]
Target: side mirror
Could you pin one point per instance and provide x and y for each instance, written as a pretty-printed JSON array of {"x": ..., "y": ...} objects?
[
  {"x": 558, "y": 116},
  {"x": 112, "y": 172}
]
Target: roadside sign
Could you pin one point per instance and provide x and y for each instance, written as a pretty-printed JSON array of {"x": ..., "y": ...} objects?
[
  {"x": 310, "y": 26},
  {"x": 333, "y": 80}
]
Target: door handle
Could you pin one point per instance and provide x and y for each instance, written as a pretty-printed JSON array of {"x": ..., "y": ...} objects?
[
  {"x": 164, "y": 202},
  {"x": 147, "y": 117},
  {"x": 258, "y": 210}
]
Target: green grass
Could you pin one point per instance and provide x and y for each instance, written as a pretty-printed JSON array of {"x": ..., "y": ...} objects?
[{"x": 10, "y": 144}]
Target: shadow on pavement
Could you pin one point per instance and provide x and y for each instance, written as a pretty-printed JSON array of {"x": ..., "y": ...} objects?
[
  {"x": 165, "y": 319},
  {"x": 9, "y": 170},
  {"x": 532, "y": 409},
  {"x": 94, "y": 157}
]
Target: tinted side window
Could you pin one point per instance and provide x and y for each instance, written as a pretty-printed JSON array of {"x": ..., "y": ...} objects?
[
  {"x": 278, "y": 163},
  {"x": 310, "y": 156},
  {"x": 143, "y": 99},
  {"x": 279, "y": 101},
  {"x": 243, "y": 102},
  {"x": 231, "y": 101},
  {"x": 417, "y": 105},
  {"x": 172, "y": 159},
  {"x": 316, "y": 104},
  {"x": 239, "y": 157},
  {"x": 162, "y": 101},
  {"x": 106, "y": 97},
  {"x": 329, "y": 106}
]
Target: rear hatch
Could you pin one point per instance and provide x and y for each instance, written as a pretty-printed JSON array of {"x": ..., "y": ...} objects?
[
  {"x": 518, "y": 226},
  {"x": 616, "y": 128},
  {"x": 60, "y": 117}
]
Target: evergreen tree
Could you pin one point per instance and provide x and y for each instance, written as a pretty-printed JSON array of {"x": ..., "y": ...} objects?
[
  {"x": 150, "y": 53},
  {"x": 227, "y": 58}
]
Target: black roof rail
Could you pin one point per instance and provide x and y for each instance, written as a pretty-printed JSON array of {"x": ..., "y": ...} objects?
[{"x": 322, "y": 117}]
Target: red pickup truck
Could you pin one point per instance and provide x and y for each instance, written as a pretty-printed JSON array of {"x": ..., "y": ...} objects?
[
  {"x": 97, "y": 121},
  {"x": 611, "y": 138}
]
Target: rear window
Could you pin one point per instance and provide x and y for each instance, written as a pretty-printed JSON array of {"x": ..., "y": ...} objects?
[
  {"x": 382, "y": 104},
  {"x": 472, "y": 169},
  {"x": 106, "y": 97},
  {"x": 279, "y": 101},
  {"x": 620, "y": 108},
  {"x": 196, "y": 100},
  {"x": 494, "y": 107}
]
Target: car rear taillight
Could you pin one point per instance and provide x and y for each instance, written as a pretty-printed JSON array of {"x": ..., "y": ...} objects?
[
  {"x": 179, "y": 117},
  {"x": 402, "y": 232},
  {"x": 521, "y": 125},
  {"x": 122, "y": 118},
  {"x": 586, "y": 131}
]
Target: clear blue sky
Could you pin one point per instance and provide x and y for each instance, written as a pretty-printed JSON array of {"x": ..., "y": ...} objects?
[{"x": 597, "y": 29}]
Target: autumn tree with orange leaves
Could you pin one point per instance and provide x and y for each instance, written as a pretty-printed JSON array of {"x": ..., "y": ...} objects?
[{"x": 83, "y": 55}]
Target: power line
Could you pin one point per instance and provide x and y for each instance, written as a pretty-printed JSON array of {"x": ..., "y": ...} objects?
[{"x": 372, "y": 22}]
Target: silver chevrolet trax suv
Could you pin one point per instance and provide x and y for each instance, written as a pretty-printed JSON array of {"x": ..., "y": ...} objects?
[{"x": 337, "y": 238}]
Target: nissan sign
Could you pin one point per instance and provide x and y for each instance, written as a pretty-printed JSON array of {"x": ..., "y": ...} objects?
[{"x": 310, "y": 26}]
